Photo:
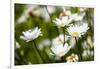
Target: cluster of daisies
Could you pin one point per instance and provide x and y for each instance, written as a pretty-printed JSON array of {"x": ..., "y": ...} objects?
[{"x": 59, "y": 46}]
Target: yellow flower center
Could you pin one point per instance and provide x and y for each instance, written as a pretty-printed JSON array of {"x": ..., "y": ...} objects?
[{"x": 75, "y": 34}]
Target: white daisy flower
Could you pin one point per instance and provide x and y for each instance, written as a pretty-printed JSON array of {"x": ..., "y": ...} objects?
[
  {"x": 60, "y": 50},
  {"x": 64, "y": 18},
  {"x": 31, "y": 34},
  {"x": 63, "y": 21},
  {"x": 77, "y": 17},
  {"x": 78, "y": 30},
  {"x": 72, "y": 58},
  {"x": 57, "y": 46}
]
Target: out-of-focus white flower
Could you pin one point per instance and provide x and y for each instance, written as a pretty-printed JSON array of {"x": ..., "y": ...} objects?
[
  {"x": 51, "y": 9},
  {"x": 63, "y": 21},
  {"x": 44, "y": 43},
  {"x": 40, "y": 47},
  {"x": 22, "y": 18},
  {"x": 82, "y": 9},
  {"x": 78, "y": 30},
  {"x": 92, "y": 53},
  {"x": 77, "y": 17},
  {"x": 31, "y": 34},
  {"x": 65, "y": 13},
  {"x": 72, "y": 16},
  {"x": 60, "y": 50},
  {"x": 17, "y": 45},
  {"x": 90, "y": 42},
  {"x": 84, "y": 45},
  {"x": 28, "y": 9},
  {"x": 37, "y": 11},
  {"x": 87, "y": 53},
  {"x": 84, "y": 54},
  {"x": 34, "y": 9},
  {"x": 57, "y": 46},
  {"x": 45, "y": 14},
  {"x": 72, "y": 58}
]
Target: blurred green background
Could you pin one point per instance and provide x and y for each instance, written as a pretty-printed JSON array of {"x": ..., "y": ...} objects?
[{"x": 29, "y": 16}]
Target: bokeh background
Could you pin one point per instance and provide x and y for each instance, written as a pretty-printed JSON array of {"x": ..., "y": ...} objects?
[{"x": 29, "y": 16}]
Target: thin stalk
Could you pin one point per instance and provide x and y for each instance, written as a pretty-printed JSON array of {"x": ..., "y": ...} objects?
[
  {"x": 50, "y": 17},
  {"x": 78, "y": 50},
  {"x": 38, "y": 51},
  {"x": 47, "y": 56},
  {"x": 48, "y": 14}
]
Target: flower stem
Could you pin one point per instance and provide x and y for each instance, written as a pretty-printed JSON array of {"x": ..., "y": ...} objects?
[
  {"x": 38, "y": 51},
  {"x": 47, "y": 56},
  {"x": 80, "y": 58},
  {"x": 48, "y": 13},
  {"x": 50, "y": 17}
]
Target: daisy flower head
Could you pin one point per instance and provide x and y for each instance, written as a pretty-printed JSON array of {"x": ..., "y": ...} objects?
[
  {"x": 60, "y": 50},
  {"x": 57, "y": 46},
  {"x": 63, "y": 21},
  {"x": 31, "y": 34},
  {"x": 77, "y": 30},
  {"x": 72, "y": 58}
]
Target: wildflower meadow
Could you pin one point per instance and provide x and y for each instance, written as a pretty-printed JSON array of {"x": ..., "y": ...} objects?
[{"x": 46, "y": 34}]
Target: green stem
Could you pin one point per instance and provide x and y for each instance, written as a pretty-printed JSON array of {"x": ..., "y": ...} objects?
[
  {"x": 48, "y": 13},
  {"x": 47, "y": 56},
  {"x": 50, "y": 17},
  {"x": 64, "y": 35},
  {"x": 80, "y": 57},
  {"x": 38, "y": 51}
]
